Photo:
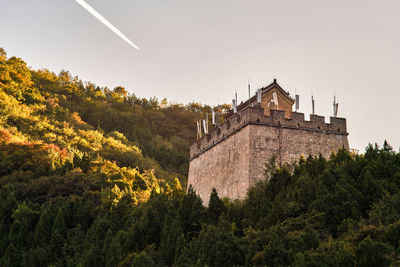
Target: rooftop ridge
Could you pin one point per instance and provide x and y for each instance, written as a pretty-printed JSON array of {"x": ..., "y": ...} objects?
[
  {"x": 254, "y": 115},
  {"x": 253, "y": 98}
]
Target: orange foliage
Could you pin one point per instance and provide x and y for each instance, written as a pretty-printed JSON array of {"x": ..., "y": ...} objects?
[
  {"x": 5, "y": 136},
  {"x": 61, "y": 152}
]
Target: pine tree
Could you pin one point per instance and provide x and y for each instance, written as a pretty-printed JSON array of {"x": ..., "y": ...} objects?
[
  {"x": 42, "y": 229},
  {"x": 12, "y": 257},
  {"x": 59, "y": 223},
  {"x": 215, "y": 207}
]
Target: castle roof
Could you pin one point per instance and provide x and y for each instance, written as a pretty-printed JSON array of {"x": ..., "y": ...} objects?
[{"x": 265, "y": 89}]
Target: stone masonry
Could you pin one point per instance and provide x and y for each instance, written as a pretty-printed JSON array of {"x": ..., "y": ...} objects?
[{"x": 232, "y": 157}]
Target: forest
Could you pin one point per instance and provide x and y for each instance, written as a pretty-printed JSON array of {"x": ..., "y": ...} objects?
[{"x": 92, "y": 176}]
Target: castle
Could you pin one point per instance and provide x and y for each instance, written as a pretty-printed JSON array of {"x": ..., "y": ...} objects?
[{"x": 232, "y": 157}]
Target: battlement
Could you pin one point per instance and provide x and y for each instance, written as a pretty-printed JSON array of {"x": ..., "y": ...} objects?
[
  {"x": 254, "y": 115},
  {"x": 231, "y": 157}
]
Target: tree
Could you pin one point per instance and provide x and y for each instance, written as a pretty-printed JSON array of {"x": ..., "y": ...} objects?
[
  {"x": 371, "y": 253},
  {"x": 215, "y": 246},
  {"x": 59, "y": 223},
  {"x": 190, "y": 212},
  {"x": 121, "y": 92},
  {"x": 215, "y": 207},
  {"x": 42, "y": 229},
  {"x": 12, "y": 257},
  {"x": 142, "y": 259}
]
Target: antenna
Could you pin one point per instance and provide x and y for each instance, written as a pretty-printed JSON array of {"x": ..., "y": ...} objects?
[
  {"x": 205, "y": 127},
  {"x": 248, "y": 82},
  {"x": 297, "y": 102},
  {"x": 337, "y": 109},
  {"x": 313, "y": 104},
  {"x": 259, "y": 96},
  {"x": 199, "y": 135},
  {"x": 198, "y": 130},
  {"x": 236, "y": 96},
  {"x": 213, "y": 117},
  {"x": 335, "y": 105}
]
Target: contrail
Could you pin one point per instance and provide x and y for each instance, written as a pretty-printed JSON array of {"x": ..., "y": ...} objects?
[{"x": 105, "y": 22}]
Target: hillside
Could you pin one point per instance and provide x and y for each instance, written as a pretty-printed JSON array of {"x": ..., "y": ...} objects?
[
  {"x": 86, "y": 121},
  {"x": 96, "y": 177}
]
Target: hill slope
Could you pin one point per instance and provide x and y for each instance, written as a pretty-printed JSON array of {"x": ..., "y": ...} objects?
[
  {"x": 87, "y": 179},
  {"x": 86, "y": 121}
]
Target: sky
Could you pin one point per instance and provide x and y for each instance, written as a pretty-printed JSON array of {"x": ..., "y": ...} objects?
[{"x": 202, "y": 50}]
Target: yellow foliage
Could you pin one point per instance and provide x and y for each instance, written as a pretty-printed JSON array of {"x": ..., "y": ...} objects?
[
  {"x": 91, "y": 135},
  {"x": 77, "y": 119},
  {"x": 50, "y": 137},
  {"x": 10, "y": 107}
]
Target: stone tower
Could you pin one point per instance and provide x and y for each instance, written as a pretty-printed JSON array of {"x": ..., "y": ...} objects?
[{"x": 232, "y": 157}]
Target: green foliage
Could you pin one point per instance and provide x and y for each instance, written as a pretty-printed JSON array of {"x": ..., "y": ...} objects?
[
  {"x": 372, "y": 253},
  {"x": 215, "y": 207},
  {"x": 215, "y": 246},
  {"x": 12, "y": 257},
  {"x": 142, "y": 259},
  {"x": 91, "y": 176}
]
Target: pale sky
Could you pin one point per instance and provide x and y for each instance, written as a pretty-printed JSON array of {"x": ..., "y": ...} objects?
[{"x": 201, "y": 50}]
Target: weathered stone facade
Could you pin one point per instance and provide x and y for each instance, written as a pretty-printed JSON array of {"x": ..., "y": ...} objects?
[
  {"x": 285, "y": 102},
  {"x": 232, "y": 157}
]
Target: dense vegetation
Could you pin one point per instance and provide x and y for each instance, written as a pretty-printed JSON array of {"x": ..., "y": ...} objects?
[{"x": 87, "y": 178}]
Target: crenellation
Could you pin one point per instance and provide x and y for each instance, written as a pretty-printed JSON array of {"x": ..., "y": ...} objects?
[
  {"x": 298, "y": 117},
  {"x": 278, "y": 118},
  {"x": 317, "y": 119},
  {"x": 277, "y": 115},
  {"x": 338, "y": 124},
  {"x": 232, "y": 156}
]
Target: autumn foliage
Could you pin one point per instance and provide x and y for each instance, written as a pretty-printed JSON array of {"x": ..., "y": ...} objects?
[{"x": 91, "y": 176}]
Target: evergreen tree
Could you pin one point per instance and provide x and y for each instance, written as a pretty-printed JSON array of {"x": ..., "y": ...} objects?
[
  {"x": 215, "y": 207},
  {"x": 371, "y": 253},
  {"x": 42, "y": 229},
  {"x": 12, "y": 257}
]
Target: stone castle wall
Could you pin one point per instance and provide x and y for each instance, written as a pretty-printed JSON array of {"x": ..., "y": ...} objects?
[
  {"x": 264, "y": 143},
  {"x": 233, "y": 156},
  {"x": 225, "y": 167}
]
